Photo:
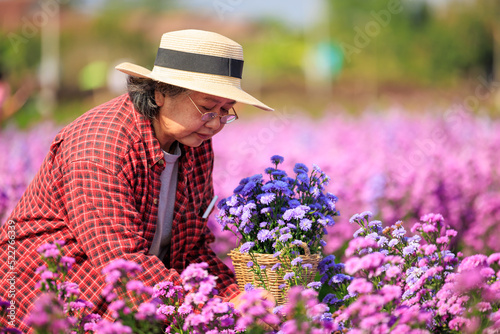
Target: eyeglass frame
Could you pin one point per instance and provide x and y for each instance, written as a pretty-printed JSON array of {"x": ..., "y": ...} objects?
[{"x": 213, "y": 114}]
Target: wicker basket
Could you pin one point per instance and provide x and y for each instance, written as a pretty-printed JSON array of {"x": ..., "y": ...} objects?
[{"x": 245, "y": 275}]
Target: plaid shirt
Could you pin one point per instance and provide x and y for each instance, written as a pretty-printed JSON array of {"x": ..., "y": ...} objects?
[{"x": 98, "y": 189}]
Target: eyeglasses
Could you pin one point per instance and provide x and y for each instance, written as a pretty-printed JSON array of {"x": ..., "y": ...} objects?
[{"x": 208, "y": 116}]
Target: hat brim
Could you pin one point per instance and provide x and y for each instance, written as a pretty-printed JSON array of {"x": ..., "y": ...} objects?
[{"x": 200, "y": 82}]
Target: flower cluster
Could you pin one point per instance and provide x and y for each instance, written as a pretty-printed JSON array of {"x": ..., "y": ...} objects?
[
  {"x": 415, "y": 284},
  {"x": 59, "y": 308},
  {"x": 282, "y": 210},
  {"x": 390, "y": 283},
  {"x": 415, "y": 165},
  {"x": 194, "y": 307},
  {"x": 129, "y": 318},
  {"x": 307, "y": 315},
  {"x": 282, "y": 216}
]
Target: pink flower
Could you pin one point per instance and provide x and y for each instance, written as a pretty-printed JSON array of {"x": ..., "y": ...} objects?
[
  {"x": 393, "y": 271},
  {"x": 471, "y": 262},
  {"x": 429, "y": 249},
  {"x": 483, "y": 306},
  {"x": 443, "y": 240},
  {"x": 451, "y": 233},
  {"x": 455, "y": 309},
  {"x": 372, "y": 260},
  {"x": 432, "y": 217},
  {"x": 360, "y": 285},
  {"x": 458, "y": 323},
  {"x": 391, "y": 292},
  {"x": 352, "y": 265},
  {"x": 493, "y": 258},
  {"x": 416, "y": 228},
  {"x": 427, "y": 228},
  {"x": 466, "y": 281},
  {"x": 487, "y": 272},
  {"x": 359, "y": 243}
]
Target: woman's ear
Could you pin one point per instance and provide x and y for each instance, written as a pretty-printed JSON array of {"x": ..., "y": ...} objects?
[{"x": 159, "y": 98}]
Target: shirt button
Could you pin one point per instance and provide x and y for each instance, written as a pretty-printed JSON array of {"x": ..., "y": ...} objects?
[
  {"x": 155, "y": 201},
  {"x": 161, "y": 162},
  {"x": 149, "y": 165}
]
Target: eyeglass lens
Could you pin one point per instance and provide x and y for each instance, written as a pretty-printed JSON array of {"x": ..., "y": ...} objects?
[{"x": 224, "y": 119}]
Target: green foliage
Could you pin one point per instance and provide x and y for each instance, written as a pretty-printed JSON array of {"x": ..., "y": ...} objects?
[{"x": 413, "y": 42}]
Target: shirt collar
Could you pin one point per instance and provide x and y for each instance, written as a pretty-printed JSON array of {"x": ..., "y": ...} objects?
[
  {"x": 146, "y": 130},
  {"x": 155, "y": 153}
]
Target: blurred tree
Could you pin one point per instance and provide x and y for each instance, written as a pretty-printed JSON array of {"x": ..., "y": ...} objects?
[
  {"x": 490, "y": 11},
  {"x": 403, "y": 41}
]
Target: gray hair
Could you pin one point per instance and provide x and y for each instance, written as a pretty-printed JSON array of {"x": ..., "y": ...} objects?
[{"x": 142, "y": 94}]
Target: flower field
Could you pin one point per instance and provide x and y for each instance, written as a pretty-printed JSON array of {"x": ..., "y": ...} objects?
[
  {"x": 422, "y": 256},
  {"x": 395, "y": 165}
]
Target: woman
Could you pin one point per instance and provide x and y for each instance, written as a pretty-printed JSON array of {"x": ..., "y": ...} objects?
[{"x": 132, "y": 178}]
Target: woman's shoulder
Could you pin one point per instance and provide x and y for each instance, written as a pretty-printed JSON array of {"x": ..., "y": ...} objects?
[{"x": 103, "y": 134}]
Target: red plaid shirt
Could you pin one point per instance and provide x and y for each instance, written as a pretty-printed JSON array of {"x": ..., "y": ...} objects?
[{"x": 98, "y": 189}]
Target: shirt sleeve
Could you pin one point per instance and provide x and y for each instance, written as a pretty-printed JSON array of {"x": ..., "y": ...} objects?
[{"x": 104, "y": 220}]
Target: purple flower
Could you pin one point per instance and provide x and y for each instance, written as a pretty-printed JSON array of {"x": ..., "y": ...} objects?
[
  {"x": 146, "y": 311},
  {"x": 48, "y": 314},
  {"x": 49, "y": 250},
  {"x": 300, "y": 168},
  {"x": 68, "y": 290},
  {"x": 277, "y": 159},
  {"x": 245, "y": 248},
  {"x": 398, "y": 232},
  {"x": 185, "y": 309},
  {"x": 166, "y": 310},
  {"x": 264, "y": 235},
  {"x": 122, "y": 267},
  {"x": 409, "y": 250},
  {"x": 67, "y": 262},
  {"x": 250, "y": 264},
  {"x": 296, "y": 261},
  {"x": 249, "y": 287},
  {"x": 118, "y": 306},
  {"x": 366, "y": 214},
  {"x": 393, "y": 242},
  {"x": 108, "y": 327},
  {"x": 354, "y": 218},
  {"x": 330, "y": 299},
  {"x": 80, "y": 304},
  {"x": 276, "y": 266},
  {"x": 289, "y": 275},
  {"x": 267, "y": 198},
  {"x": 305, "y": 224},
  {"x": 296, "y": 213},
  {"x": 285, "y": 237},
  {"x": 135, "y": 285},
  {"x": 314, "y": 285}
]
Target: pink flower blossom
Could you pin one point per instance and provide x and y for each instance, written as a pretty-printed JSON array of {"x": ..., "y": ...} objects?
[{"x": 360, "y": 285}]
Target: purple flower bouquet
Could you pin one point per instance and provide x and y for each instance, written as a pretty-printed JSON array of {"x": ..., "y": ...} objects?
[{"x": 280, "y": 224}]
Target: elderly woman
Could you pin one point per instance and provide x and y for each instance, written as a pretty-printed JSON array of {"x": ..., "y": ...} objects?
[{"x": 132, "y": 178}]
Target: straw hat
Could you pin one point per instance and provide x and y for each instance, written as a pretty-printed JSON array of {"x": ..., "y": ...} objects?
[{"x": 198, "y": 60}]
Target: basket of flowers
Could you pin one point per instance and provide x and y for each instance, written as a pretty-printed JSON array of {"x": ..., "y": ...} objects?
[{"x": 279, "y": 223}]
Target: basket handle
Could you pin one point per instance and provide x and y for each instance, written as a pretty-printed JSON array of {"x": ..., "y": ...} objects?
[{"x": 307, "y": 252}]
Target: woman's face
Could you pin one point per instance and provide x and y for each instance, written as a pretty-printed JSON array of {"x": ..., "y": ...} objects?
[{"x": 179, "y": 119}]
